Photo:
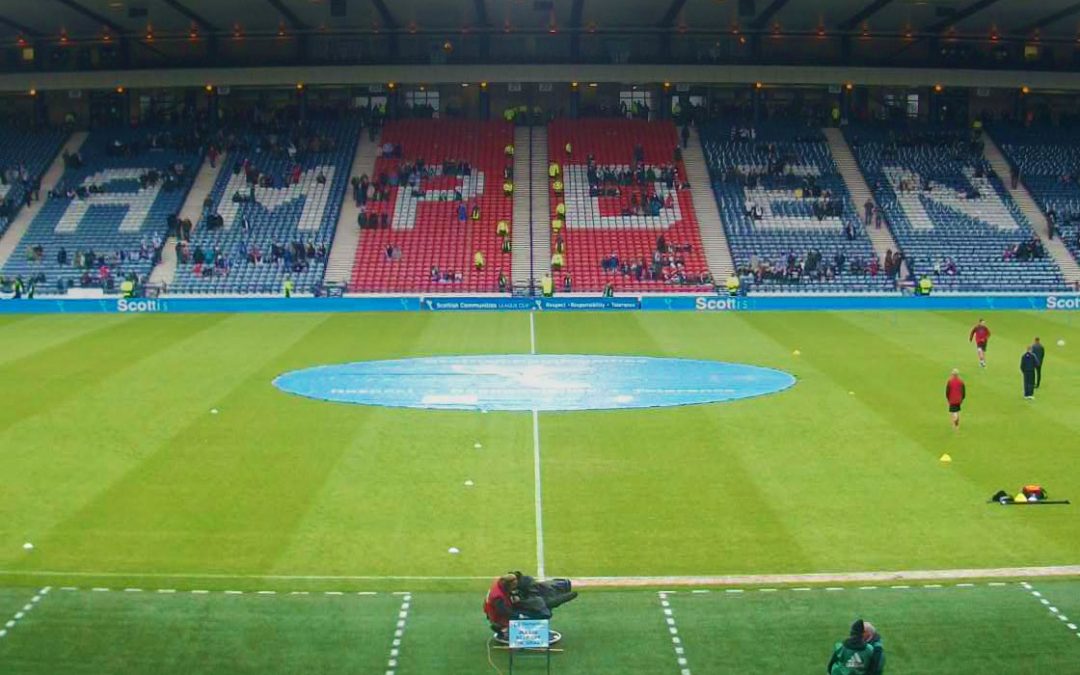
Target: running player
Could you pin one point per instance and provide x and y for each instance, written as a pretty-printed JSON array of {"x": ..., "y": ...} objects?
[
  {"x": 981, "y": 335},
  {"x": 955, "y": 392}
]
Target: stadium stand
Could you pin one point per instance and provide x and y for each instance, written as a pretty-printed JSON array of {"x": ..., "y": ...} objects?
[
  {"x": 789, "y": 218},
  {"x": 429, "y": 174},
  {"x": 24, "y": 157},
  {"x": 108, "y": 215},
  {"x": 950, "y": 213},
  {"x": 625, "y": 196},
  {"x": 273, "y": 214},
  {"x": 1048, "y": 159}
]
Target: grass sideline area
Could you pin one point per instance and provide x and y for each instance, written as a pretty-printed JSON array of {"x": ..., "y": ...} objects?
[
  {"x": 114, "y": 468},
  {"x": 967, "y": 628}
]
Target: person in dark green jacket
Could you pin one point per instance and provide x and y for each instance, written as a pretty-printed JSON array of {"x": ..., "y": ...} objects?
[
  {"x": 852, "y": 656},
  {"x": 873, "y": 638}
]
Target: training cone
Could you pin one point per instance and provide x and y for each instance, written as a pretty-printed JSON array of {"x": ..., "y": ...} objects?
[
  {"x": 946, "y": 457},
  {"x": 796, "y": 352},
  {"x": 1020, "y": 498}
]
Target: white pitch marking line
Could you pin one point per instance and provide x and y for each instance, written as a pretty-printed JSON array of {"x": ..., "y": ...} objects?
[
  {"x": 673, "y": 631},
  {"x": 1011, "y": 573},
  {"x": 395, "y": 646},
  {"x": 538, "y": 495},
  {"x": 537, "y": 484},
  {"x": 26, "y": 608},
  {"x": 1054, "y": 611},
  {"x": 532, "y": 333}
]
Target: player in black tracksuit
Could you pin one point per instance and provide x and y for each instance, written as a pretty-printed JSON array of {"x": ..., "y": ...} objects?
[
  {"x": 1040, "y": 353},
  {"x": 1028, "y": 365}
]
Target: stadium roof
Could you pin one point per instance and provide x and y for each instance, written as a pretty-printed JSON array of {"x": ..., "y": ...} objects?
[{"x": 1058, "y": 19}]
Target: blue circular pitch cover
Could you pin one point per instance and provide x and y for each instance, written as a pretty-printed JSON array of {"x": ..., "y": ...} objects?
[{"x": 540, "y": 382}]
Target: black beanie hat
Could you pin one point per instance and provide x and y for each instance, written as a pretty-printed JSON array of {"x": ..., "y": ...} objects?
[{"x": 857, "y": 628}]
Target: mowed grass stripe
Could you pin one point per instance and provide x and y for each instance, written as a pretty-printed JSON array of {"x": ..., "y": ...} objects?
[
  {"x": 900, "y": 368},
  {"x": 828, "y": 444},
  {"x": 166, "y": 405},
  {"x": 396, "y": 501},
  {"x": 24, "y": 335},
  {"x": 65, "y": 371},
  {"x": 669, "y": 477}
]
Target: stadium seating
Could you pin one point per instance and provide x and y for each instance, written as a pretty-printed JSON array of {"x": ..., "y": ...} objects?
[
  {"x": 602, "y": 226},
  {"x": 431, "y": 249},
  {"x": 32, "y": 151},
  {"x": 788, "y": 173},
  {"x": 960, "y": 232},
  {"x": 298, "y": 212},
  {"x": 1049, "y": 162},
  {"x": 120, "y": 223}
]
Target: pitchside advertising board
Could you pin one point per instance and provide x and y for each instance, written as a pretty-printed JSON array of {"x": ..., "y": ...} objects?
[{"x": 413, "y": 303}]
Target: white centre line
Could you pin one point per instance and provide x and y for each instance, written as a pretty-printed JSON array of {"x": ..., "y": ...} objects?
[
  {"x": 538, "y": 501},
  {"x": 532, "y": 333},
  {"x": 26, "y": 608},
  {"x": 673, "y": 631},
  {"x": 1054, "y": 611},
  {"x": 399, "y": 634}
]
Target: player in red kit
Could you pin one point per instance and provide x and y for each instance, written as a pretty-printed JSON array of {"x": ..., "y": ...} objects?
[
  {"x": 955, "y": 391},
  {"x": 981, "y": 335}
]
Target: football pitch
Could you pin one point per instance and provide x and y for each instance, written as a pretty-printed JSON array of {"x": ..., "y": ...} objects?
[{"x": 285, "y": 534}]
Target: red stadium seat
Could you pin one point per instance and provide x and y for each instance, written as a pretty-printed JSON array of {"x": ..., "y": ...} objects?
[
  {"x": 436, "y": 238},
  {"x": 611, "y": 142}
]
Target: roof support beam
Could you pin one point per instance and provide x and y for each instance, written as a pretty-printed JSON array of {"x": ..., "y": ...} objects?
[
  {"x": 1050, "y": 18},
  {"x": 91, "y": 14},
  {"x": 384, "y": 13},
  {"x": 765, "y": 17},
  {"x": 863, "y": 14},
  {"x": 485, "y": 35},
  {"x": 672, "y": 13},
  {"x": 576, "y": 11},
  {"x": 481, "y": 12},
  {"x": 970, "y": 10},
  {"x": 181, "y": 8},
  {"x": 25, "y": 30},
  {"x": 294, "y": 21}
]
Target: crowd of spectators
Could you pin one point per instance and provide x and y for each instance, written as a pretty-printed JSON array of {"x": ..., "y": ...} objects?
[
  {"x": 811, "y": 266},
  {"x": 666, "y": 263}
]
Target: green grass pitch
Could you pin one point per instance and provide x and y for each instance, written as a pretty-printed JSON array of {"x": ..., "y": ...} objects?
[{"x": 113, "y": 466}]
